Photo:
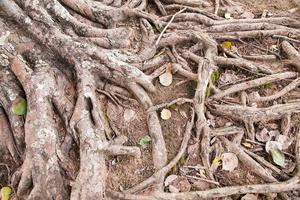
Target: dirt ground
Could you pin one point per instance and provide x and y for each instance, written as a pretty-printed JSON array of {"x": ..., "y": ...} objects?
[{"x": 129, "y": 118}]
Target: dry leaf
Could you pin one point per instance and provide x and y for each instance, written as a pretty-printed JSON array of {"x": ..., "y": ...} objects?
[
  {"x": 165, "y": 114},
  {"x": 263, "y": 135},
  {"x": 202, "y": 173},
  {"x": 226, "y": 44},
  {"x": 170, "y": 179},
  {"x": 128, "y": 115},
  {"x": 227, "y": 15},
  {"x": 166, "y": 79},
  {"x": 284, "y": 140},
  {"x": 249, "y": 197},
  {"x": 217, "y": 160},
  {"x": 229, "y": 161},
  {"x": 247, "y": 144},
  {"x": 273, "y": 145}
]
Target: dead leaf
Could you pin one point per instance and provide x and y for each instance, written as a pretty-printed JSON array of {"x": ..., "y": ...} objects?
[
  {"x": 284, "y": 140},
  {"x": 166, "y": 78},
  {"x": 128, "y": 115},
  {"x": 272, "y": 145},
  {"x": 248, "y": 145},
  {"x": 202, "y": 173},
  {"x": 263, "y": 135},
  {"x": 227, "y": 15},
  {"x": 249, "y": 197},
  {"x": 165, "y": 114},
  {"x": 169, "y": 179},
  {"x": 229, "y": 161}
]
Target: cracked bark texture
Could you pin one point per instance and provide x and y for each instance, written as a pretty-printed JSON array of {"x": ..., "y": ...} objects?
[{"x": 99, "y": 55}]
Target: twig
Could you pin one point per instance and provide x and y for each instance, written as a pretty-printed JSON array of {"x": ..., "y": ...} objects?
[
  {"x": 279, "y": 94},
  {"x": 168, "y": 24},
  {"x": 179, "y": 101},
  {"x": 254, "y": 83},
  {"x": 286, "y": 38},
  {"x": 203, "y": 179}
]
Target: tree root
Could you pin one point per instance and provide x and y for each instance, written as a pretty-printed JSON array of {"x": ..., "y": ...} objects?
[{"x": 101, "y": 59}]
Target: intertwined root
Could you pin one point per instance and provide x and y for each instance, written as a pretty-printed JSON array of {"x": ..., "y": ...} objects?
[{"x": 109, "y": 54}]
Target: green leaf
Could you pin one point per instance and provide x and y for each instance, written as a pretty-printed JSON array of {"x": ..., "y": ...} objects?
[
  {"x": 144, "y": 141},
  {"x": 19, "y": 106},
  {"x": 208, "y": 90},
  {"x": 277, "y": 156},
  {"x": 5, "y": 193},
  {"x": 214, "y": 77},
  {"x": 266, "y": 86}
]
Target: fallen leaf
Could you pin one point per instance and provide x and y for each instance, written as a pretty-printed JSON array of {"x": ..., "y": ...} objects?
[
  {"x": 226, "y": 44},
  {"x": 229, "y": 161},
  {"x": 247, "y": 144},
  {"x": 169, "y": 179},
  {"x": 214, "y": 77},
  {"x": 266, "y": 86},
  {"x": 5, "y": 193},
  {"x": 19, "y": 106},
  {"x": 217, "y": 160},
  {"x": 284, "y": 140},
  {"x": 208, "y": 90},
  {"x": 165, "y": 114},
  {"x": 272, "y": 145},
  {"x": 274, "y": 148},
  {"x": 249, "y": 197},
  {"x": 227, "y": 15},
  {"x": 202, "y": 173},
  {"x": 263, "y": 135},
  {"x": 128, "y": 115},
  {"x": 145, "y": 141},
  {"x": 166, "y": 79},
  {"x": 277, "y": 156}
]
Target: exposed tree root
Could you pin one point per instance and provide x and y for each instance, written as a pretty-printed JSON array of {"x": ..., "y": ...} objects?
[{"x": 100, "y": 55}]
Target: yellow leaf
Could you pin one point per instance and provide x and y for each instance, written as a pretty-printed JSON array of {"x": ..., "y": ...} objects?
[
  {"x": 217, "y": 160},
  {"x": 202, "y": 173},
  {"x": 5, "y": 193},
  {"x": 226, "y": 44}
]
